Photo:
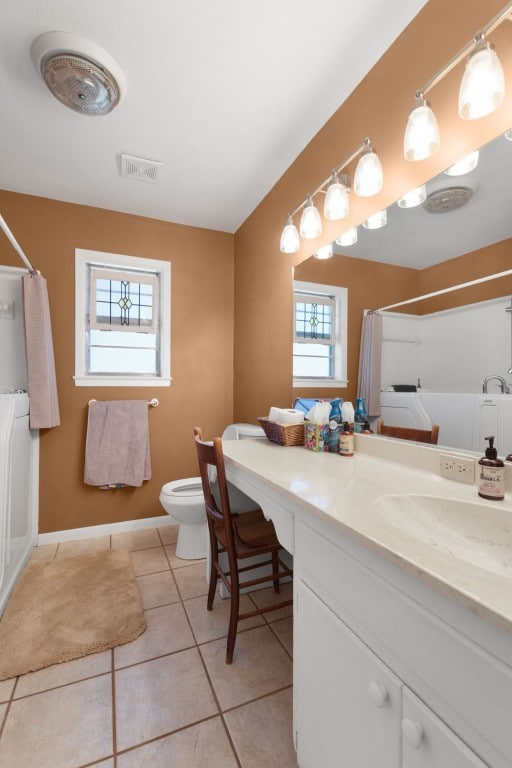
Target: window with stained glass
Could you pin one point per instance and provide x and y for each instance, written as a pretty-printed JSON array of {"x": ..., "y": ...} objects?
[
  {"x": 122, "y": 328},
  {"x": 319, "y": 334}
]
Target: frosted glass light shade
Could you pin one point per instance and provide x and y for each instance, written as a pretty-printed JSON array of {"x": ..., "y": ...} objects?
[
  {"x": 310, "y": 222},
  {"x": 290, "y": 240},
  {"x": 347, "y": 238},
  {"x": 464, "y": 165},
  {"x": 413, "y": 198},
  {"x": 368, "y": 178},
  {"x": 421, "y": 138},
  {"x": 325, "y": 252},
  {"x": 377, "y": 220},
  {"x": 336, "y": 202},
  {"x": 483, "y": 84}
]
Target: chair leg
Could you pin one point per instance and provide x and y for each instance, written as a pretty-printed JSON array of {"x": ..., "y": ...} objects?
[
  {"x": 214, "y": 559},
  {"x": 233, "y": 616},
  {"x": 275, "y": 571}
]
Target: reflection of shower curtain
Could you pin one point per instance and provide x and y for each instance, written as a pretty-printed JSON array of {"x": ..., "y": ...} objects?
[
  {"x": 42, "y": 384},
  {"x": 370, "y": 362}
]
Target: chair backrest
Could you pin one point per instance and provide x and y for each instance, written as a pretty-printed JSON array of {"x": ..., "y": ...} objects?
[
  {"x": 409, "y": 433},
  {"x": 209, "y": 454}
]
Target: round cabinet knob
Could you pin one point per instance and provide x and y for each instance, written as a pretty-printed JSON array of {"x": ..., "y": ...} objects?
[
  {"x": 378, "y": 694},
  {"x": 412, "y": 732}
]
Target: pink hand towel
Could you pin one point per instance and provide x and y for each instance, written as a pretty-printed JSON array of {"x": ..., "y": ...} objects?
[{"x": 117, "y": 445}]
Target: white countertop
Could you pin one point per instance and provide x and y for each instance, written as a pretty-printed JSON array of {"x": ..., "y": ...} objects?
[{"x": 345, "y": 492}]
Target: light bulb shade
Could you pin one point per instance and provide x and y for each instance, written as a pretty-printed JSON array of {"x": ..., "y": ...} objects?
[
  {"x": 347, "y": 238},
  {"x": 413, "y": 198},
  {"x": 336, "y": 201},
  {"x": 325, "y": 252},
  {"x": 368, "y": 178},
  {"x": 376, "y": 221},
  {"x": 421, "y": 138},
  {"x": 290, "y": 240},
  {"x": 464, "y": 165},
  {"x": 483, "y": 84},
  {"x": 310, "y": 222}
]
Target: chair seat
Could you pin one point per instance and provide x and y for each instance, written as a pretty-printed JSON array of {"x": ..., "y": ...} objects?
[{"x": 252, "y": 531}]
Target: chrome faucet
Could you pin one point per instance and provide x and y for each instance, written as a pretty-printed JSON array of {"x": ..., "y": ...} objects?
[{"x": 505, "y": 389}]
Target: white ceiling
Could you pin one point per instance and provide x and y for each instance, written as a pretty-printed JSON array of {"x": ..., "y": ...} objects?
[{"x": 226, "y": 93}]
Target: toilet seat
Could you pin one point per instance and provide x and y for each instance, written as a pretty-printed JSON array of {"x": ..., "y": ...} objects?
[{"x": 187, "y": 490}]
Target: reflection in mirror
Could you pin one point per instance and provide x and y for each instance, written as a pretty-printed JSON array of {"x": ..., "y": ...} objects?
[{"x": 443, "y": 347}]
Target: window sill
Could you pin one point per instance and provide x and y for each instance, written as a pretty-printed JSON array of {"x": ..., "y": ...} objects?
[
  {"x": 121, "y": 381},
  {"x": 319, "y": 383}
]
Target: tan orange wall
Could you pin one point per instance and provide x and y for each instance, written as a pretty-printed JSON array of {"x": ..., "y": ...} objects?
[
  {"x": 378, "y": 108},
  {"x": 202, "y": 349},
  {"x": 370, "y": 285}
]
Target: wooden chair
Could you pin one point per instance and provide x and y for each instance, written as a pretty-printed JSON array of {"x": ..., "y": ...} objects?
[
  {"x": 410, "y": 433},
  {"x": 239, "y": 535}
]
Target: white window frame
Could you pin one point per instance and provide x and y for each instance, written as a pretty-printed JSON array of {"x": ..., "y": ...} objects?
[
  {"x": 340, "y": 295},
  {"x": 84, "y": 258}
]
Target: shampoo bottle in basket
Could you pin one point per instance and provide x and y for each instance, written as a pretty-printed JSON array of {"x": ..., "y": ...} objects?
[{"x": 491, "y": 474}]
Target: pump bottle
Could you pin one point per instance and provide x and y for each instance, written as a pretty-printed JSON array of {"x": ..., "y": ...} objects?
[{"x": 491, "y": 474}]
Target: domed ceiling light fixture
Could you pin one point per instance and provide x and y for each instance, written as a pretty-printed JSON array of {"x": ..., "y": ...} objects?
[
  {"x": 481, "y": 91},
  {"x": 336, "y": 187},
  {"x": 79, "y": 73}
]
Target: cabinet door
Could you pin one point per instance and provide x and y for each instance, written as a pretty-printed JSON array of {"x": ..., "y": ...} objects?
[
  {"x": 428, "y": 742},
  {"x": 347, "y": 703}
]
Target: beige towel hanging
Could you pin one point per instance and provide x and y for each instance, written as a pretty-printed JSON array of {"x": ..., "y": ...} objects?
[{"x": 117, "y": 445}]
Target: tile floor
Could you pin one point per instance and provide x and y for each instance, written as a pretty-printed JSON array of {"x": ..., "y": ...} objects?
[{"x": 166, "y": 700}]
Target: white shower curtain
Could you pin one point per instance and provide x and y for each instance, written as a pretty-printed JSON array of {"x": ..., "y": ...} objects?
[
  {"x": 42, "y": 383},
  {"x": 370, "y": 356}
]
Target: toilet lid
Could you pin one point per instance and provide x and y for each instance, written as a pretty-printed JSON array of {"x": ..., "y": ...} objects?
[{"x": 191, "y": 486}]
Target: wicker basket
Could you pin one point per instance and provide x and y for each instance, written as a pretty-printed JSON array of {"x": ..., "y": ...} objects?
[{"x": 284, "y": 434}]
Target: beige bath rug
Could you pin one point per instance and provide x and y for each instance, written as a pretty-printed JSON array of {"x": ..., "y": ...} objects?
[{"x": 67, "y": 608}]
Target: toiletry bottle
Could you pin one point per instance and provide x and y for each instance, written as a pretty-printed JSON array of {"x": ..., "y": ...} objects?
[
  {"x": 346, "y": 441},
  {"x": 491, "y": 474},
  {"x": 347, "y": 413},
  {"x": 332, "y": 436},
  {"x": 359, "y": 415},
  {"x": 367, "y": 429},
  {"x": 335, "y": 414}
]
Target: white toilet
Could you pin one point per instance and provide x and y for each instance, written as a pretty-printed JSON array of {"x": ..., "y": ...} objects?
[{"x": 183, "y": 500}]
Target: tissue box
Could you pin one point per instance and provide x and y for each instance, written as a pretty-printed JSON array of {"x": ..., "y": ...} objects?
[{"x": 315, "y": 436}]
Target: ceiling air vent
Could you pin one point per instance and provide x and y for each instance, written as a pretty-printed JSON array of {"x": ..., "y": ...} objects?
[
  {"x": 139, "y": 168},
  {"x": 448, "y": 199}
]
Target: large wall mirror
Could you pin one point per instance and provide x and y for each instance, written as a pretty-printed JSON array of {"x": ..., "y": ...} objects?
[{"x": 453, "y": 343}]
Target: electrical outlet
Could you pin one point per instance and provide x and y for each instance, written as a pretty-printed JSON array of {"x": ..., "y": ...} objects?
[{"x": 458, "y": 468}]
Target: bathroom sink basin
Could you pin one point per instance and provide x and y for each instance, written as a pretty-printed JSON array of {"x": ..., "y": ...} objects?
[{"x": 477, "y": 533}]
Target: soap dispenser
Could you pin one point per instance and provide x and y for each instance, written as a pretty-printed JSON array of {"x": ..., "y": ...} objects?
[{"x": 491, "y": 475}]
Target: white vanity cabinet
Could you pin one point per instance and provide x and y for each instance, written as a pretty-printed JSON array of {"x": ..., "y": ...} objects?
[
  {"x": 348, "y": 702},
  {"x": 379, "y": 681},
  {"x": 353, "y": 711}
]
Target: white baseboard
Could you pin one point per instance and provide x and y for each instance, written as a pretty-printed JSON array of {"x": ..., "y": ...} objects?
[{"x": 92, "y": 531}]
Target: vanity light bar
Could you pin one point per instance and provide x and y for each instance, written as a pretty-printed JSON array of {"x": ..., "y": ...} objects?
[
  {"x": 421, "y": 138},
  {"x": 372, "y": 176},
  {"x": 479, "y": 280}
]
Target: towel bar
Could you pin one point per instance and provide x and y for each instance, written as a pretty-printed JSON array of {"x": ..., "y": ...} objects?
[{"x": 154, "y": 402}]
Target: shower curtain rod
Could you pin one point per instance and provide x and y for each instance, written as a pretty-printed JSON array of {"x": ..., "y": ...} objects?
[{"x": 9, "y": 235}]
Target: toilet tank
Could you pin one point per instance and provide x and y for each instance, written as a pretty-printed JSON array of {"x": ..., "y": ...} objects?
[{"x": 241, "y": 431}]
